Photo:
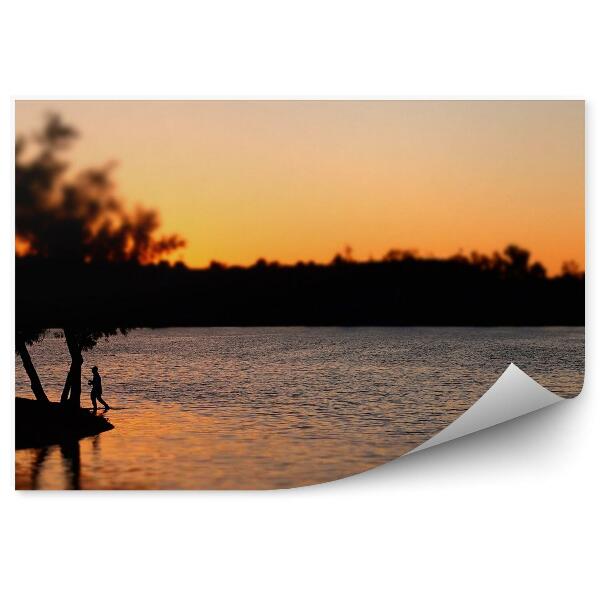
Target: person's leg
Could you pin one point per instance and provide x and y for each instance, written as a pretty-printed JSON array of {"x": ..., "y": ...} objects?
[
  {"x": 106, "y": 406},
  {"x": 93, "y": 397}
]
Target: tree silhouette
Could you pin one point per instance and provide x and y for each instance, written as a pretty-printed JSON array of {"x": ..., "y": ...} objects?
[{"x": 74, "y": 220}]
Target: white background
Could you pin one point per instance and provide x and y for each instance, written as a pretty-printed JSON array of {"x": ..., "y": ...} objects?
[{"x": 509, "y": 513}]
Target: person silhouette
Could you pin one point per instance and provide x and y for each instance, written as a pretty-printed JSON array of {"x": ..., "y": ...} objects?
[{"x": 96, "y": 394}]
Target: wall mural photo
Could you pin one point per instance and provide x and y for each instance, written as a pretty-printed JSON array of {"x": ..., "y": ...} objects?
[{"x": 273, "y": 294}]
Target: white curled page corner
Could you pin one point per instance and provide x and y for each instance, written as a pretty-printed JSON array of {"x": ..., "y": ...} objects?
[{"x": 513, "y": 394}]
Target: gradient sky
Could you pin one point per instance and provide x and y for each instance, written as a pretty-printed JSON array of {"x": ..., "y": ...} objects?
[{"x": 299, "y": 180}]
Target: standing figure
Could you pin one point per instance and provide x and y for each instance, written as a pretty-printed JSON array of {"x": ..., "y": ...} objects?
[{"x": 96, "y": 383}]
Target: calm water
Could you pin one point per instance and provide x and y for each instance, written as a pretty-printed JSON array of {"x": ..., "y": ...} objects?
[{"x": 279, "y": 407}]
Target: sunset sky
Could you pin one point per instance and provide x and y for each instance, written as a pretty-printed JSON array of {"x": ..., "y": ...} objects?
[{"x": 299, "y": 180}]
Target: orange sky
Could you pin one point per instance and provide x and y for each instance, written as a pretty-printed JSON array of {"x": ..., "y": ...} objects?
[{"x": 299, "y": 180}]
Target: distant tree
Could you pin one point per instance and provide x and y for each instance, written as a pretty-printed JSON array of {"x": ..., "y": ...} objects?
[
  {"x": 570, "y": 268},
  {"x": 518, "y": 263},
  {"x": 344, "y": 257},
  {"x": 260, "y": 263},
  {"x": 481, "y": 261},
  {"x": 460, "y": 257},
  {"x": 338, "y": 260},
  {"x": 518, "y": 260},
  {"x": 398, "y": 255},
  {"x": 537, "y": 270}
]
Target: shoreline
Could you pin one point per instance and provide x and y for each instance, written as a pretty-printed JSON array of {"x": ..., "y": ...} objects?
[{"x": 38, "y": 424}]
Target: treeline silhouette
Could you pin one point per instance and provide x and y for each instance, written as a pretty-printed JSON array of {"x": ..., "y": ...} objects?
[
  {"x": 88, "y": 267},
  {"x": 399, "y": 290}
]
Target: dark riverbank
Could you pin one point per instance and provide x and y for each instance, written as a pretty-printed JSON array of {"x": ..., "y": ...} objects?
[
  {"x": 476, "y": 291},
  {"x": 38, "y": 424}
]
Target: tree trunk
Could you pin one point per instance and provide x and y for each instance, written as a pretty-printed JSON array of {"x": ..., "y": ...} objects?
[
  {"x": 64, "y": 397},
  {"x": 36, "y": 384},
  {"x": 74, "y": 377}
]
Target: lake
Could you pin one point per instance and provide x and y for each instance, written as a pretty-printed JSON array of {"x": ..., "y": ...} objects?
[{"x": 260, "y": 408}]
